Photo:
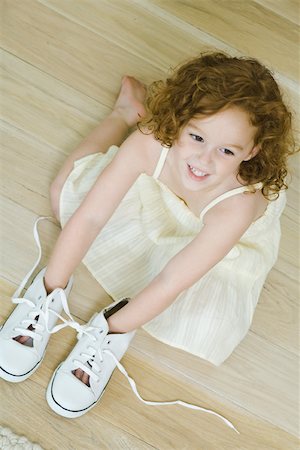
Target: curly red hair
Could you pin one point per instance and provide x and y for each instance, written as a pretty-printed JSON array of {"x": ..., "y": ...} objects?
[{"x": 215, "y": 81}]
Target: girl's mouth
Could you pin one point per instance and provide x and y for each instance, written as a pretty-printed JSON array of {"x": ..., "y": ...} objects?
[{"x": 196, "y": 174}]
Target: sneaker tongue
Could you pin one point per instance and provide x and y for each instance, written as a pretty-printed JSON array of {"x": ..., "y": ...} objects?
[{"x": 99, "y": 321}]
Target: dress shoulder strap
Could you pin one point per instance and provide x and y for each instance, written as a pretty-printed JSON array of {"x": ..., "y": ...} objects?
[
  {"x": 228, "y": 194},
  {"x": 161, "y": 162}
]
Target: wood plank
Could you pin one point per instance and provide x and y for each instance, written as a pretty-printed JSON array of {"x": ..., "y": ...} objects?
[
  {"x": 68, "y": 52},
  {"x": 245, "y": 26},
  {"x": 175, "y": 38},
  {"x": 276, "y": 314},
  {"x": 28, "y": 183},
  {"x": 290, "y": 9},
  {"x": 69, "y": 114},
  {"x": 137, "y": 34}
]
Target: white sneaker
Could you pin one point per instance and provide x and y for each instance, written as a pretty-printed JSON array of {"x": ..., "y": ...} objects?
[
  {"x": 67, "y": 395},
  {"x": 34, "y": 317},
  {"x": 97, "y": 353}
]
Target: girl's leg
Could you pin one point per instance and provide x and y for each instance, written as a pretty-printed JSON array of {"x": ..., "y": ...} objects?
[{"x": 111, "y": 131}]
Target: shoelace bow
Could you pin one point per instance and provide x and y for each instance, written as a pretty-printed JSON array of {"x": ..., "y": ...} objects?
[{"x": 94, "y": 371}]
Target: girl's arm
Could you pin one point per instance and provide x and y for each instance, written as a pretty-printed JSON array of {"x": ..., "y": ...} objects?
[
  {"x": 96, "y": 209},
  {"x": 224, "y": 225}
]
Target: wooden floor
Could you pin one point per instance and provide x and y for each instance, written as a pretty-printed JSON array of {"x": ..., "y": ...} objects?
[{"x": 62, "y": 62}]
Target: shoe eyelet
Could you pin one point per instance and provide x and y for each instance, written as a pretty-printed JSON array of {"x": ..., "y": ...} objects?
[
  {"x": 108, "y": 342},
  {"x": 100, "y": 331}
]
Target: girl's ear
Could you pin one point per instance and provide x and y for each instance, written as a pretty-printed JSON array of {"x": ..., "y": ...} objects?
[{"x": 253, "y": 153}]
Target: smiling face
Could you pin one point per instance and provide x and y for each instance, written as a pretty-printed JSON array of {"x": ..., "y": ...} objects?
[{"x": 210, "y": 149}]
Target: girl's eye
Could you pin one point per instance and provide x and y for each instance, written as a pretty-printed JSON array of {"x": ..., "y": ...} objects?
[
  {"x": 226, "y": 151},
  {"x": 197, "y": 138}
]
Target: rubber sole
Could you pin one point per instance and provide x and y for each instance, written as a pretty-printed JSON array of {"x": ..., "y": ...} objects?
[{"x": 18, "y": 378}]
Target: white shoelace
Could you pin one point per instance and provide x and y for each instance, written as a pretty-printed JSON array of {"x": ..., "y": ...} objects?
[
  {"x": 23, "y": 329},
  {"x": 175, "y": 402},
  {"x": 38, "y": 329},
  {"x": 84, "y": 329},
  {"x": 37, "y": 241},
  {"x": 32, "y": 317}
]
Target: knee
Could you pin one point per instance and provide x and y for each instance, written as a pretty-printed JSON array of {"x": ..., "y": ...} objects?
[{"x": 55, "y": 192}]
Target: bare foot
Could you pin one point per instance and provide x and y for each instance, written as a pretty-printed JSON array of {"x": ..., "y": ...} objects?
[{"x": 130, "y": 102}]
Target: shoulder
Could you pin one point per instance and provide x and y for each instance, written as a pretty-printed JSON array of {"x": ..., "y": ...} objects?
[
  {"x": 142, "y": 150},
  {"x": 238, "y": 211}
]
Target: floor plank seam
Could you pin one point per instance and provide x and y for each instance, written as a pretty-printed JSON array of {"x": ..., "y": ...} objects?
[
  {"x": 286, "y": 350},
  {"x": 52, "y": 76},
  {"x": 169, "y": 18},
  {"x": 39, "y": 86},
  {"x": 283, "y": 272},
  {"x": 212, "y": 41},
  {"x": 86, "y": 27},
  {"x": 35, "y": 213},
  {"x": 30, "y": 137},
  {"x": 279, "y": 14}
]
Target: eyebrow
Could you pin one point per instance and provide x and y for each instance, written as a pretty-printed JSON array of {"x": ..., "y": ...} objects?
[{"x": 238, "y": 147}]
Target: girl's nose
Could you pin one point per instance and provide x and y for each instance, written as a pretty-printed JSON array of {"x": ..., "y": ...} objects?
[{"x": 205, "y": 155}]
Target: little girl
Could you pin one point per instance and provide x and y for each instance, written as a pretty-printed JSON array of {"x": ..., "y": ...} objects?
[{"x": 182, "y": 219}]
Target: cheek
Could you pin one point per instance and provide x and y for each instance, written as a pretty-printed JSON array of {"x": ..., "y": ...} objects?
[{"x": 182, "y": 150}]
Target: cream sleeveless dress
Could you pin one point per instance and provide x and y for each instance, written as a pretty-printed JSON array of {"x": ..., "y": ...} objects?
[{"x": 148, "y": 228}]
